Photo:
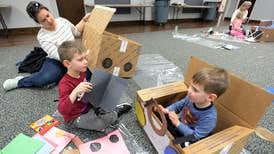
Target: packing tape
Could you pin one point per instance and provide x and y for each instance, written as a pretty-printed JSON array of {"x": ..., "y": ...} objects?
[
  {"x": 116, "y": 71},
  {"x": 264, "y": 134},
  {"x": 123, "y": 47},
  {"x": 226, "y": 149}
]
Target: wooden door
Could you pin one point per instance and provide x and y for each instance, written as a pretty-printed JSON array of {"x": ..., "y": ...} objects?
[{"x": 73, "y": 10}]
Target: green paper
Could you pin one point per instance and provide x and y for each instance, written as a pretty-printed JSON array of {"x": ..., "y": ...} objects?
[{"x": 22, "y": 144}]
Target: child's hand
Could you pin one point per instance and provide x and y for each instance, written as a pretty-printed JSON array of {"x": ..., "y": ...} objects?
[
  {"x": 83, "y": 87},
  {"x": 79, "y": 91},
  {"x": 163, "y": 109},
  {"x": 174, "y": 118}
]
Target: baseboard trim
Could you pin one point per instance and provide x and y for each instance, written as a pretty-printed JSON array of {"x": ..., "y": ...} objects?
[
  {"x": 34, "y": 30},
  {"x": 23, "y": 31}
]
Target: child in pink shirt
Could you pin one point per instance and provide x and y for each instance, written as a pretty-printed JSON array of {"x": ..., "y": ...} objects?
[{"x": 237, "y": 30}]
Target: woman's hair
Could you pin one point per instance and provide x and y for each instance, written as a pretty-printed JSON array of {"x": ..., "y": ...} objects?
[
  {"x": 33, "y": 8},
  {"x": 67, "y": 50},
  {"x": 244, "y": 4},
  {"x": 239, "y": 15}
]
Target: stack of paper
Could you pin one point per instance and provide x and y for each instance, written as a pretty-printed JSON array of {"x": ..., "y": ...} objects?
[{"x": 22, "y": 144}]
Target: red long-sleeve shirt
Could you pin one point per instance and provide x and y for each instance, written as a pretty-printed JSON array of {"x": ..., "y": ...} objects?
[{"x": 65, "y": 107}]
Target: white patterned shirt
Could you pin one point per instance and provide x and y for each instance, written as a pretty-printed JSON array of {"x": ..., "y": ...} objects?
[{"x": 51, "y": 40}]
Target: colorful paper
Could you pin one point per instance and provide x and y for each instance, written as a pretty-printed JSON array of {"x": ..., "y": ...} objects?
[
  {"x": 22, "y": 144},
  {"x": 44, "y": 124},
  {"x": 106, "y": 146},
  {"x": 60, "y": 137},
  {"x": 47, "y": 147}
]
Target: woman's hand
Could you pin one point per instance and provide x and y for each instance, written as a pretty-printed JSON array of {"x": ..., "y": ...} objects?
[
  {"x": 81, "y": 24},
  {"x": 85, "y": 18}
]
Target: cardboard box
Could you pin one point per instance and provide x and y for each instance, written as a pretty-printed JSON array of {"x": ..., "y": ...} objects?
[
  {"x": 113, "y": 53},
  {"x": 239, "y": 110},
  {"x": 268, "y": 33}
]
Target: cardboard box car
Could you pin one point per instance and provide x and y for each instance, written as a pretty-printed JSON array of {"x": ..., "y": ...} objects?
[
  {"x": 267, "y": 31},
  {"x": 112, "y": 53},
  {"x": 239, "y": 110}
]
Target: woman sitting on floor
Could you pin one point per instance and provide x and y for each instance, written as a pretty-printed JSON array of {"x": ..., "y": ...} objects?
[{"x": 53, "y": 32}]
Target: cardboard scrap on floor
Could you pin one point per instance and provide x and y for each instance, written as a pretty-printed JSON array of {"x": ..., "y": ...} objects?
[
  {"x": 112, "y": 143},
  {"x": 22, "y": 144},
  {"x": 48, "y": 145},
  {"x": 44, "y": 124},
  {"x": 60, "y": 137}
]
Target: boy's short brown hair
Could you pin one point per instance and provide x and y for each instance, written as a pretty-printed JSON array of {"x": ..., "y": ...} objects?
[
  {"x": 68, "y": 48},
  {"x": 215, "y": 80}
]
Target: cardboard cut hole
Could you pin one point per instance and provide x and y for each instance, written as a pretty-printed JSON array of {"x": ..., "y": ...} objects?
[
  {"x": 107, "y": 63},
  {"x": 114, "y": 138},
  {"x": 127, "y": 67},
  {"x": 95, "y": 146}
]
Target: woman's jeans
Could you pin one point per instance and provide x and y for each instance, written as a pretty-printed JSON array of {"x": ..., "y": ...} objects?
[{"x": 50, "y": 73}]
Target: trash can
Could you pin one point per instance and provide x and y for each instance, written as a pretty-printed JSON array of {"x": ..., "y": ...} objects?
[
  {"x": 210, "y": 14},
  {"x": 161, "y": 11}
]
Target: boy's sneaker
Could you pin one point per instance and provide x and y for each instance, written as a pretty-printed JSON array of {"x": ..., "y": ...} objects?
[
  {"x": 10, "y": 84},
  {"x": 123, "y": 108},
  {"x": 109, "y": 118}
]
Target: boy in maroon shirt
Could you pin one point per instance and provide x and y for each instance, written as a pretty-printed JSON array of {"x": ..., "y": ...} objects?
[{"x": 72, "y": 87}]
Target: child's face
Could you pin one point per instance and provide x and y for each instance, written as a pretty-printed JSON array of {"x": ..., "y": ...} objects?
[
  {"x": 197, "y": 94},
  {"x": 79, "y": 62}
]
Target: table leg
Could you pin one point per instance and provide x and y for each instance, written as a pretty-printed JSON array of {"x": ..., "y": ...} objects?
[
  {"x": 178, "y": 9},
  {"x": 174, "y": 9},
  {"x": 5, "y": 28}
]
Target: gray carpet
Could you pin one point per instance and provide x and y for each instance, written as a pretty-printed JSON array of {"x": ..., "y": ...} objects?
[{"x": 20, "y": 107}]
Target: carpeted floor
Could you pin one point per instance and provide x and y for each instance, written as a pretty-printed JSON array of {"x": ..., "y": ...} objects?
[{"x": 20, "y": 107}]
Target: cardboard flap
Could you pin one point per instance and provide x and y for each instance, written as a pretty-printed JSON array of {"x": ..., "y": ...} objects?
[
  {"x": 214, "y": 144},
  {"x": 91, "y": 40},
  {"x": 246, "y": 102},
  {"x": 100, "y": 17},
  {"x": 94, "y": 28},
  {"x": 161, "y": 91},
  {"x": 194, "y": 65},
  {"x": 120, "y": 51}
]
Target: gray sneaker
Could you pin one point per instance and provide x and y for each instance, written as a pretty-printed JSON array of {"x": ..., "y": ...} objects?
[
  {"x": 10, "y": 84},
  {"x": 123, "y": 108},
  {"x": 109, "y": 117}
]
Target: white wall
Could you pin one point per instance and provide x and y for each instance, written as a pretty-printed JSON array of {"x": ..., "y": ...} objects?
[
  {"x": 16, "y": 16},
  {"x": 263, "y": 10},
  {"x": 230, "y": 7},
  {"x": 149, "y": 12},
  {"x": 127, "y": 17}
]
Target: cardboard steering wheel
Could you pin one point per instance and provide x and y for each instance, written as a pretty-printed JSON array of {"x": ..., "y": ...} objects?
[{"x": 152, "y": 106}]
